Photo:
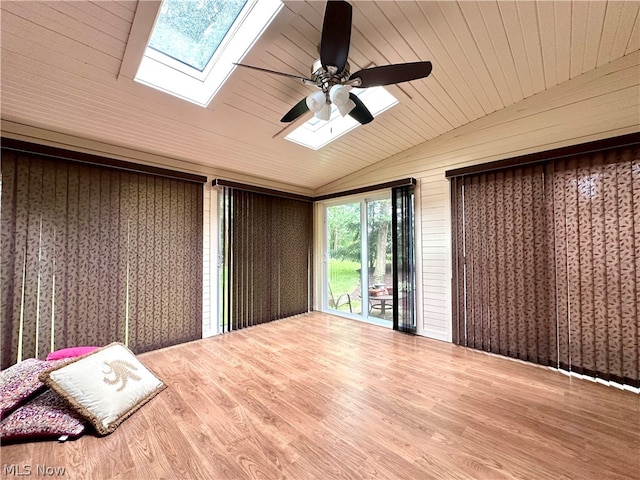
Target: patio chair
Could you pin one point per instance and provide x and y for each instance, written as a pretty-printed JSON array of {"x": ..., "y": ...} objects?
[{"x": 343, "y": 299}]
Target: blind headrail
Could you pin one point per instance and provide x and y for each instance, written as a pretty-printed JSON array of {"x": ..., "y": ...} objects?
[{"x": 538, "y": 157}]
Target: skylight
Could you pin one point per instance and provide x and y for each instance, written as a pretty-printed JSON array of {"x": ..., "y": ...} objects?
[
  {"x": 191, "y": 32},
  {"x": 192, "y": 37},
  {"x": 315, "y": 133}
]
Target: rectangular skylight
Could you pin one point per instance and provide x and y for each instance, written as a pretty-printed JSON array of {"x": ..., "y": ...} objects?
[
  {"x": 191, "y": 37},
  {"x": 191, "y": 32},
  {"x": 315, "y": 134}
]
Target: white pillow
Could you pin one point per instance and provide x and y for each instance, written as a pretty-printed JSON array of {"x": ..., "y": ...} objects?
[{"x": 106, "y": 386}]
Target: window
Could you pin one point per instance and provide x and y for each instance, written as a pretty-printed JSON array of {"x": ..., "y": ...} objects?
[
  {"x": 191, "y": 32},
  {"x": 315, "y": 133},
  {"x": 194, "y": 45}
]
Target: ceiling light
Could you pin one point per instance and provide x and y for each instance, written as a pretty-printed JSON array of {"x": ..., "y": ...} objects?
[
  {"x": 315, "y": 134},
  {"x": 324, "y": 113},
  {"x": 316, "y": 101},
  {"x": 339, "y": 96},
  {"x": 346, "y": 108}
]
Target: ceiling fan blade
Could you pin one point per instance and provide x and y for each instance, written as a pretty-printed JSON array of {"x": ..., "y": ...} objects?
[
  {"x": 361, "y": 113},
  {"x": 260, "y": 69},
  {"x": 389, "y": 74},
  {"x": 336, "y": 35},
  {"x": 298, "y": 110}
]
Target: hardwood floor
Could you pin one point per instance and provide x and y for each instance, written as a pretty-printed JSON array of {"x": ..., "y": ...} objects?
[{"x": 321, "y": 397}]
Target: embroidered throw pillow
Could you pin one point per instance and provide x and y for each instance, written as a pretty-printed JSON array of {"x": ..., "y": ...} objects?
[{"x": 106, "y": 386}]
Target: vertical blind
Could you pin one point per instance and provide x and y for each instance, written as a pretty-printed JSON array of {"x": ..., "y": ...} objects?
[
  {"x": 266, "y": 258},
  {"x": 546, "y": 263},
  {"x": 92, "y": 255},
  {"x": 402, "y": 226}
]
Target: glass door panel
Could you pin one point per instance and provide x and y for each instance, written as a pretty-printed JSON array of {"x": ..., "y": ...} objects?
[
  {"x": 359, "y": 276},
  {"x": 344, "y": 258},
  {"x": 379, "y": 263}
]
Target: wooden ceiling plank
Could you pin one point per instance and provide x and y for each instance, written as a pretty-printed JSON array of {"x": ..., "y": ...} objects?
[
  {"x": 454, "y": 16},
  {"x": 73, "y": 50},
  {"x": 445, "y": 73},
  {"x": 595, "y": 25},
  {"x": 434, "y": 115},
  {"x": 395, "y": 130},
  {"x": 279, "y": 91},
  {"x": 435, "y": 98},
  {"x": 47, "y": 17},
  {"x": 83, "y": 107},
  {"x": 498, "y": 35},
  {"x": 611, "y": 21},
  {"x": 120, "y": 9},
  {"x": 129, "y": 5},
  {"x": 415, "y": 116},
  {"x": 563, "y": 18},
  {"x": 579, "y": 19},
  {"x": 97, "y": 17},
  {"x": 425, "y": 113},
  {"x": 404, "y": 120},
  {"x": 463, "y": 73},
  {"x": 79, "y": 76},
  {"x": 165, "y": 106},
  {"x": 529, "y": 21},
  {"x": 111, "y": 119},
  {"x": 634, "y": 38},
  {"x": 486, "y": 50},
  {"x": 547, "y": 26},
  {"x": 307, "y": 34},
  {"x": 628, "y": 29},
  {"x": 295, "y": 60},
  {"x": 511, "y": 21}
]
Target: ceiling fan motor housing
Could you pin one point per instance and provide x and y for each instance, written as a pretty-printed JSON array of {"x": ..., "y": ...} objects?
[{"x": 326, "y": 79}]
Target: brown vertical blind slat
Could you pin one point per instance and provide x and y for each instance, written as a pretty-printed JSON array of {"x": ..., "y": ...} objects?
[
  {"x": 629, "y": 287},
  {"x": 457, "y": 259},
  {"x": 550, "y": 262},
  {"x": 266, "y": 250},
  {"x": 501, "y": 291},
  {"x": 82, "y": 255},
  {"x": 548, "y": 252}
]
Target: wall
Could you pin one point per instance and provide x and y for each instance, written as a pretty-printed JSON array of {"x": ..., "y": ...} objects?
[{"x": 602, "y": 103}]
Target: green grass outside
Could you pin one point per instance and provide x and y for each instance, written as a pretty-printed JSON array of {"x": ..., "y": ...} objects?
[{"x": 344, "y": 277}]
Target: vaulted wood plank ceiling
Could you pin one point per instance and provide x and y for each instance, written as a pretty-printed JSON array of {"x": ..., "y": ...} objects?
[{"x": 62, "y": 71}]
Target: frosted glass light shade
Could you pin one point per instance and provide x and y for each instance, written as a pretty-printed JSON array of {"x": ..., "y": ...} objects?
[
  {"x": 346, "y": 108},
  {"x": 339, "y": 95},
  {"x": 324, "y": 113},
  {"x": 316, "y": 101}
]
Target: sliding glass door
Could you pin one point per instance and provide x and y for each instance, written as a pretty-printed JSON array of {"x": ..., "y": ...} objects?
[
  {"x": 358, "y": 267},
  {"x": 343, "y": 267}
]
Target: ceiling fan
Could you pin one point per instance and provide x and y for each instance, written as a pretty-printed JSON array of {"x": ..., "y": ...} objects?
[{"x": 331, "y": 72}]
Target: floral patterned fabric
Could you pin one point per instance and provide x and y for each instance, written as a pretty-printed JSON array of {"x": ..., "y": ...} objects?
[
  {"x": 546, "y": 263},
  {"x": 46, "y": 416},
  {"x": 20, "y": 381},
  {"x": 118, "y": 218}
]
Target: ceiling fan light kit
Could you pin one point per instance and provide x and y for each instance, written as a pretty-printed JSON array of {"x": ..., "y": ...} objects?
[{"x": 331, "y": 72}]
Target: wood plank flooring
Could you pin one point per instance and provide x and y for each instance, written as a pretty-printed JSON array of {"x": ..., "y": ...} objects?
[{"x": 322, "y": 397}]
